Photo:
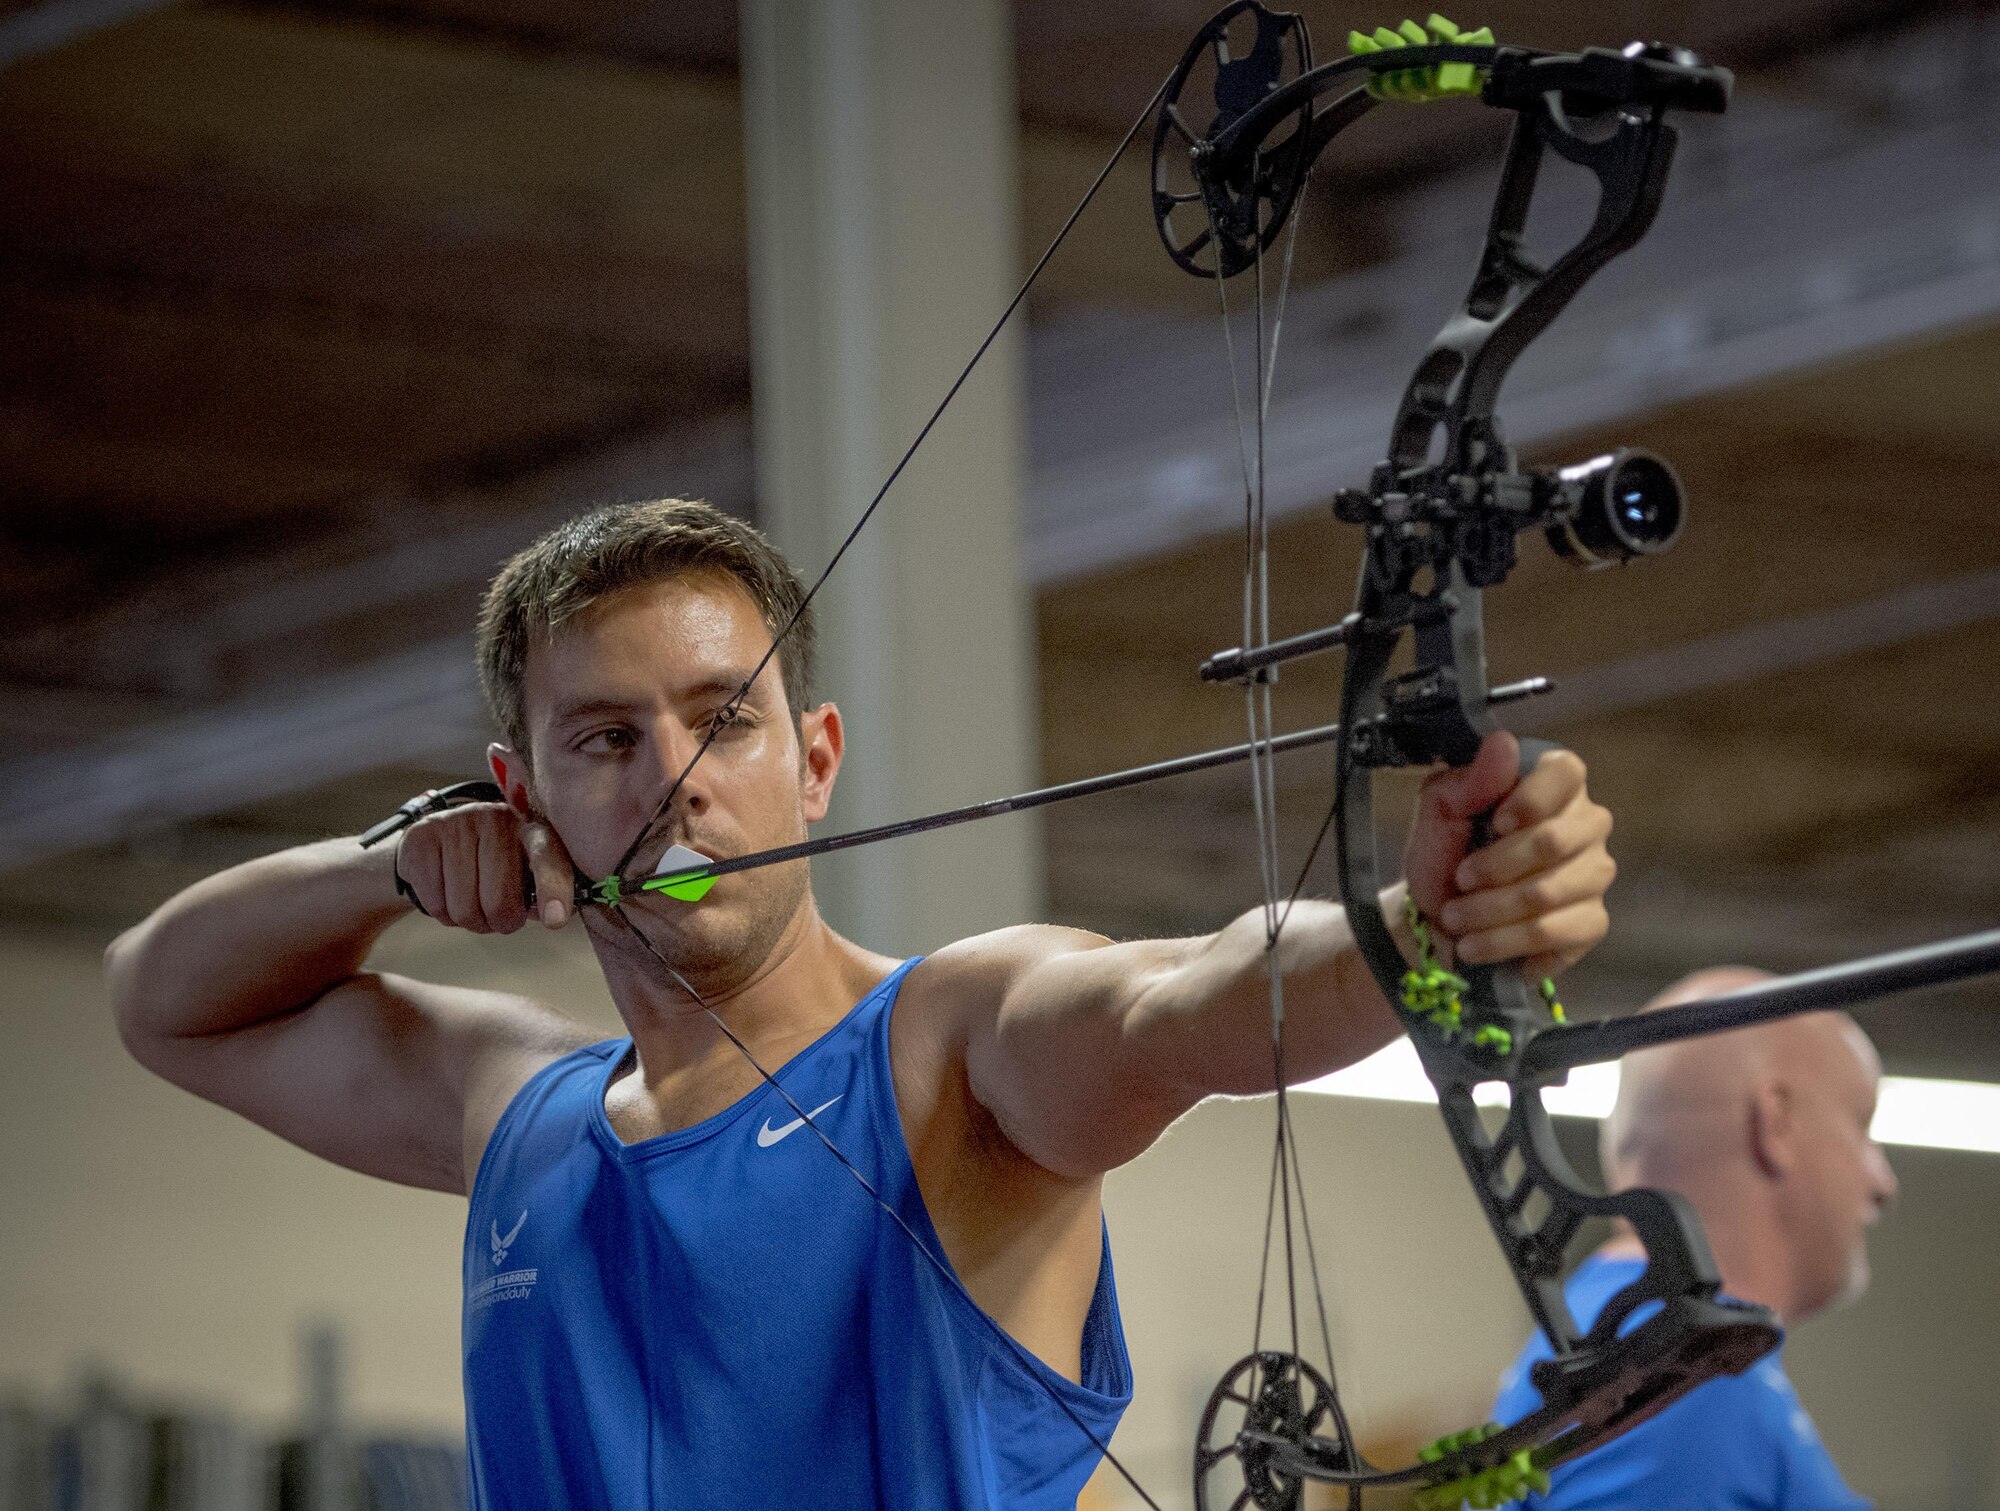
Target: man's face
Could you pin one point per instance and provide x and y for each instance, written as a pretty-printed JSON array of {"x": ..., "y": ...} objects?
[
  {"x": 1843, "y": 1179},
  {"x": 616, "y": 707}
]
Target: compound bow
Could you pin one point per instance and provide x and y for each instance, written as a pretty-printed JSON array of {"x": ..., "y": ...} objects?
[{"x": 1237, "y": 130}]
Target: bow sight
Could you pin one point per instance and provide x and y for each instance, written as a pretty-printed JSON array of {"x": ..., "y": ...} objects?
[{"x": 1238, "y": 132}]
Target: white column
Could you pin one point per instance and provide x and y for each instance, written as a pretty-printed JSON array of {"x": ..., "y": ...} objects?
[{"x": 880, "y": 142}]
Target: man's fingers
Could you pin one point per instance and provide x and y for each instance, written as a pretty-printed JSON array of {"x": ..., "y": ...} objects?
[
  {"x": 554, "y": 875},
  {"x": 501, "y": 869},
  {"x": 1543, "y": 793},
  {"x": 1542, "y": 846},
  {"x": 418, "y": 863},
  {"x": 458, "y": 852},
  {"x": 1579, "y": 878},
  {"x": 469, "y": 868},
  {"x": 1566, "y": 933}
]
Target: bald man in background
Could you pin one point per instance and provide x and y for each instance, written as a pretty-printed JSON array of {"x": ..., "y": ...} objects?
[{"x": 1765, "y": 1131}]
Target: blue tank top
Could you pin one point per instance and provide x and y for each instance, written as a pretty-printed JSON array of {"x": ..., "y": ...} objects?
[
  {"x": 1734, "y": 1443},
  {"x": 720, "y": 1317}
]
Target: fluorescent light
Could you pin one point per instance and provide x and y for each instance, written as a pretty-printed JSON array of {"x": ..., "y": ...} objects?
[
  {"x": 1392, "y": 1074},
  {"x": 1916, "y": 1111},
  {"x": 1934, "y": 1114},
  {"x": 1395, "y": 1074}
]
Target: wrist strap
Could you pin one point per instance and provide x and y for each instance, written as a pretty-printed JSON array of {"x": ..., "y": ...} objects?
[{"x": 434, "y": 800}]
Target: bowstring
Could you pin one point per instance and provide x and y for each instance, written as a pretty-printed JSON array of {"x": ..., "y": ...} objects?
[
  {"x": 617, "y": 911},
  {"x": 1287, "y": 1185},
  {"x": 735, "y": 703}
]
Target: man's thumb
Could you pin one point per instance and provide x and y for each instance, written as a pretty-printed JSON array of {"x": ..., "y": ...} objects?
[{"x": 1464, "y": 792}]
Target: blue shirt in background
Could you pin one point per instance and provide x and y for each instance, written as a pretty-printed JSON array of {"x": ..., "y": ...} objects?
[{"x": 1738, "y": 1443}]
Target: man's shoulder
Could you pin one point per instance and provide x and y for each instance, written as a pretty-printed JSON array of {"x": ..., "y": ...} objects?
[
  {"x": 982, "y": 969},
  {"x": 1020, "y": 945}
]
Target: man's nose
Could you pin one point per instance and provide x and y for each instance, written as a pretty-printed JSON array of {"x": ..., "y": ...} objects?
[
  {"x": 680, "y": 761},
  {"x": 1885, "y": 1187}
]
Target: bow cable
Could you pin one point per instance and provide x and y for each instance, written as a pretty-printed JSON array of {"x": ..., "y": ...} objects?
[
  {"x": 616, "y": 909},
  {"x": 1287, "y": 1184}
]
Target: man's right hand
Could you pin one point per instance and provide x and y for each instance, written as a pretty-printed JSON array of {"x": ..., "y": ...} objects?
[{"x": 469, "y": 866}]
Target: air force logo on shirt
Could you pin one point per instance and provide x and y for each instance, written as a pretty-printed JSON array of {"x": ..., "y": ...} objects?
[{"x": 507, "y": 1285}]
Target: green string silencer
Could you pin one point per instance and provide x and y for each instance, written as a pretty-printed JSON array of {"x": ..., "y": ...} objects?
[
  {"x": 1429, "y": 990},
  {"x": 1484, "y": 1489},
  {"x": 1417, "y": 86},
  {"x": 1437, "y": 995}
]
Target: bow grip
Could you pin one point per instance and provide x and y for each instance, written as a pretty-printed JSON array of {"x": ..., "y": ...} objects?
[{"x": 1500, "y": 985}]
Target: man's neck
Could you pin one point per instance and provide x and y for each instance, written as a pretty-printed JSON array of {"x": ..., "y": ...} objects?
[{"x": 777, "y": 1004}]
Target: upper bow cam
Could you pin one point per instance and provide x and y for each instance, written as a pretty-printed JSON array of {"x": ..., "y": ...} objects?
[{"x": 1442, "y": 516}]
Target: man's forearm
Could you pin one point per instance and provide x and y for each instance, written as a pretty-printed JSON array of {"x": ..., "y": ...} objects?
[
  {"x": 1207, "y": 1025},
  {"x": 253, "y": 942}
]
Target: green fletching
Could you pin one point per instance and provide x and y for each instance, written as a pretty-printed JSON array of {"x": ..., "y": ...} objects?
[
  {"x": 681, "y": 888},
  {"x": 1387, "y": 38},
  {"x": 1440, "y": 28},
  {"x": 1360, "y": 42},
  {"x": 1413, "y": 34}
]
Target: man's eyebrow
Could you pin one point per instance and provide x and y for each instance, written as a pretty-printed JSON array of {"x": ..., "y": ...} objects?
[
  {"x": 722, "y": 686},
  {"x": 727, "y": 685},
  {"x": 589, "y": 708}
]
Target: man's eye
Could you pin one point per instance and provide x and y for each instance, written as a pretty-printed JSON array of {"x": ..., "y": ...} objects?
[
  {"x": 727, "y": 717},
  {"x": 606, "y": 741}
]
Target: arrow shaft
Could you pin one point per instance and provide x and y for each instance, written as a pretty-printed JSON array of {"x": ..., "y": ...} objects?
[{"x": 1041, "y": 797}]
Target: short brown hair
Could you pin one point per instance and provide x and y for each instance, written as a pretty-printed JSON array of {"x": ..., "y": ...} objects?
[{"x": 621, "y": 546}]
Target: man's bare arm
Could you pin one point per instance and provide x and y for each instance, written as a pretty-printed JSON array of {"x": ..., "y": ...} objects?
[
  {"x": 248, "y": 989},
  {"x": 1095, "y": 1048}
]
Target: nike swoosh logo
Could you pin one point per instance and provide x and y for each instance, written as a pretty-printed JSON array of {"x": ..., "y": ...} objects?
[{"x": 767, "y": 1135}]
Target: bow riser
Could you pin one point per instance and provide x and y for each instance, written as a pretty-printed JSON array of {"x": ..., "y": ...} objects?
[{"x": 1442, "y": 516}]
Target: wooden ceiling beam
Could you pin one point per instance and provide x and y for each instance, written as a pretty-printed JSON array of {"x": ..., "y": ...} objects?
[
  {"x": 572, "y": 148},
  {"x": 77, "y": 213},
  {"x": 134, "y": 400}
]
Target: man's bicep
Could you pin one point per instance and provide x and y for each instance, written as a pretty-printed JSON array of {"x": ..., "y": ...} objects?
[
  {"x": 379, "y": 1074},
  {"x": 1057, "y": 1063}
]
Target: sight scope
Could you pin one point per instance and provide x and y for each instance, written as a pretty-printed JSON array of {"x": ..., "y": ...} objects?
[{"x": 1614, "y": 507}]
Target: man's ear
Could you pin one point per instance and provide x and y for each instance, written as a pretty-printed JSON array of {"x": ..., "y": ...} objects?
[
  {"x": 510, "y": 770},
  {"x": 822, "y": 741},
  {"x": 1774, "y": 1129}
]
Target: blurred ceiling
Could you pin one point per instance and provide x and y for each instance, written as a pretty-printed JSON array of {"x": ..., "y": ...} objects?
[{"x": 315, "y": 311}]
